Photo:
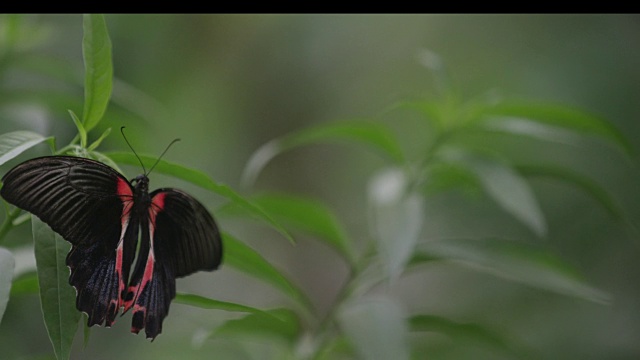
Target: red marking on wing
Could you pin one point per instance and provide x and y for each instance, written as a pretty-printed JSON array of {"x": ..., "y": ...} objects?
[
  {"x": 151, "y": 258},
  {"x": 126, "y": 196},
  {"x": 157, "y": 204},
  {"x": 111, "y": 313},
  {"x": 138, "y": 321},
  {"x": 124, "y": 189},
  {"x": 121, "y": 280}
]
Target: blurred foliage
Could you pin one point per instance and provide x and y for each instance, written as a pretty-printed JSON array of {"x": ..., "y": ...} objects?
[{"x": 354, "y": 254}]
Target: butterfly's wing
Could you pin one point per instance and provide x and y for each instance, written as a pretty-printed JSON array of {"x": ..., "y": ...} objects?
[
  {"x": 180, "y": 238},
  {"x": 88, "y": 204}
]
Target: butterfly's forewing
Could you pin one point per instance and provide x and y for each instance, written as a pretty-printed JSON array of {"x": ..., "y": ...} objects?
[
  {"x": 88, "y": 204},
  {"x": 180, "y": 238}
]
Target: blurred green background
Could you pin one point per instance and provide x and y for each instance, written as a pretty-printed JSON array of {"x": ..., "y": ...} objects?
[{"x": 226, "y": 84}]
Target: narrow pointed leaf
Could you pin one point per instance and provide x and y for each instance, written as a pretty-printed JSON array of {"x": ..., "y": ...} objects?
[
  {"x": 531, "y": 129},
  {"x": 81, "y": 130},
  {"x": 443, "y": 177},
  {"x": 517, "y": 262},
  {"x": 57, "y": 297},
  {"x": 201, "y": 179},
  {"x": 278, "y": 323},
  {"x": 96, "y": 51},
  {"x": 14, "y": 143},
  {"x": 243, "y": 258},
  {"x": 580, "y": 181},
  {"x": 309, "y": 216},
  {"x": 557, "y": 115},
  {"x": 508, "y": 188},
  {"x": 97, "y": 143},
  {"x": 7, "y": 264},
  {"x": 371, "y": 134},
  {"x": 207, "y": 303},
  {"x": 465, "y": 332},
  {"x": 104, "y": 159}
]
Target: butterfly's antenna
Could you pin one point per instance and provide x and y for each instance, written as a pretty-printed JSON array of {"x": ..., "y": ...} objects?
[
  {"x": 134, "y": 152},
  {"x": 161, "y": 155}
]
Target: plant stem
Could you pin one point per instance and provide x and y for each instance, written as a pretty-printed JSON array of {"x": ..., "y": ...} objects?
[{"x": 343, "y": 295}]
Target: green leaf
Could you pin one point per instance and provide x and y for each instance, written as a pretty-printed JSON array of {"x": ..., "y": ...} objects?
[
  {"x": 580, "y": 181},
  {"x": 206, "y": 303},
  {"x": 397, "y": 217},
  {"x": 104, "y": 159},
  {"x": 96, "y": 51},
  {"x": 57, "y": 297},
  {"x": 372, "y": 134},
  {"x": 504, "y": 185},
  {"x": 6, "y": 274},
  {"x": 24, "y": 217},
  {"x": 310, "y": 216},
  {"x": 513, "y": 193},
  {"x": 517, "y": 262},
  {"x": 201, "y": 179},
  {"x": 243, "y": 258},
  {"x": 14, "y": 143},
  {"x": 555, "y": 115},
  {"x": 24, "y": 284},
  {"x": 442, "y": 177},
  {"x": 532, "y": 129},
  {"x": 278, "y": 323},
  {"x": 463, "y": 332},
  {"x": 97, "y": 143},
  {"x": 81, "y": 130},
  {"x": 376, "y": 329}
]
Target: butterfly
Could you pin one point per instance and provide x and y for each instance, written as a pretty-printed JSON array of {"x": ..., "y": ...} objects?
[{"x": 103, "y": 216}]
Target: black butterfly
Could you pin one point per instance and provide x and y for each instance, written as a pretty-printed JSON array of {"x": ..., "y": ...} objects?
[{"x": 102, "y": 215}]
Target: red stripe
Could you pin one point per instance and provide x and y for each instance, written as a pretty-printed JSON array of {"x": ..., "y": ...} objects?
[
  {"x": 121, "y": 283},
  {"x": 158, "y": 203},
  {"x": 124, "y": 189},
  {"x": 126, "y": 196}
]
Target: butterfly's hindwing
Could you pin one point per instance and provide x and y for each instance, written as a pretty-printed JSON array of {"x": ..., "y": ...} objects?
[{"x": 179, "y": 239}]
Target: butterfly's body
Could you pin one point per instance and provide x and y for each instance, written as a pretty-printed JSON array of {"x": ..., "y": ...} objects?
[
  {"x": 103, "y": 216},
  {"x": 141, "y": 196}
]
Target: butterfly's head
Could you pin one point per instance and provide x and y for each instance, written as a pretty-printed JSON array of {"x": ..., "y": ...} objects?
[{"x": 141, "y": 184}]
